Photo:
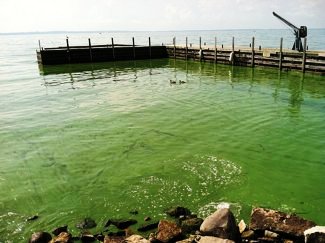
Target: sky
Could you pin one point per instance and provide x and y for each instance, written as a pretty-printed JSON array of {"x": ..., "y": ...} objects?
[{"x": 156, "y": 15}]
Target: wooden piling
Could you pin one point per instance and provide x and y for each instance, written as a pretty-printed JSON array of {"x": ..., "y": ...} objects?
[
  {"x": 200, "y": 50},
  {"x": 200, "y": 43},
  {"x": 215, "y": 49},
  {"x": 149, "y": 48},
  {"x": 304, "y": 55},
  {"x": 253, "y": 52},
  {"x": 133, "y": 44},
  {"x": 113, "y": 51},
  {"x": 281, "y": 54},
  {"x": 90, "y": 52},
  {"x": 39, "y": 45},
  {"x": 186, "y": 49},
  {"x": 174, "y": 41},
  {"x": 233, "y": 51},
  {"x": 68, "y": 50}
]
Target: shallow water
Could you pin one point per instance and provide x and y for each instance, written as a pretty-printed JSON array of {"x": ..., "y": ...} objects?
[{"x": 100, "y": 140}]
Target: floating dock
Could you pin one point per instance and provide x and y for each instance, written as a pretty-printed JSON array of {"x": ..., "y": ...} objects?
[{"x": 306, "y": 61}]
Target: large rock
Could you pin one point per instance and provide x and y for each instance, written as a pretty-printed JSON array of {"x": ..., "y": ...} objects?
[
  {"x": 59, "y": 230},
  {"x": 168, "y": 231},
  {"x": 222, "y": 224},
  {"x": 315, "y": 235},
  {"x": 211, "y": 239},
  {"x": 136, "y": 239},
  {"x": 279, "y": 222},
  {"x": 40, "y": 237}
]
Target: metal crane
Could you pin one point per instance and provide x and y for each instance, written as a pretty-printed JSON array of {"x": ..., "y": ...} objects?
[{"x": 298, "y": 32}]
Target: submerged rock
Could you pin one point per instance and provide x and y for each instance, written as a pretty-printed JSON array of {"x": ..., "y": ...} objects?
[
  {"x": 86, "y": 238},
  {"x": 148, "y": 226},
  {"x": 177, "y": 211},
  {"x": 40, "y": 237},
  {"x": 279, "y": 222},
  {"x": 32, "y": 218},
  {"x": 315, "y": 235},
  {"x": 87, "y": 223},
  {"x": 168, "y": 231},
  {"x": 221, "y": 224},
  {"x": 114, "y": 239},
  {"x": 121, "y": 223}
]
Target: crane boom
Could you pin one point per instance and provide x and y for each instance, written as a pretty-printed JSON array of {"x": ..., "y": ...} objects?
[
  {"x": 295, "y": 28},
  {"x": 299, "y": 32}
]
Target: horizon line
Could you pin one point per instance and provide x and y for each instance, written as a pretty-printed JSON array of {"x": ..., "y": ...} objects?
[{"x": 107, "y": 31}]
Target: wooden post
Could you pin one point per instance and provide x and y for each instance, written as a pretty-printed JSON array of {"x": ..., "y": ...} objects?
[
  {"x": 253, "y": 52},
  {"x": 149, "y": 48},
  {"x": 39, "y": 44},
  {"x": 90, "y": 53},
  {"x": 174, "y": 40},
  {"x": 68, "y": 50},
  {"x": 304, "y": 55},
  {"x": 215, "y": 49},
  {"x": 200, "y": 51},
  {"x": 186, "y": 49},
  {"x": 281, "y": 54},
  {"x": 113, "y": 51},
  {"x": 133, "y": 44},
  {"x": 233, "y": 51}
]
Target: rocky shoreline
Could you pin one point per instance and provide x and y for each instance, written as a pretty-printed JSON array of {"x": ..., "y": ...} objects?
[{"x": 266, "y": 225}]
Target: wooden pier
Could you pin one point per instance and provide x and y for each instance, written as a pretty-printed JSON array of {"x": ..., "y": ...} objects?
[{"x": 250, "y": 56}]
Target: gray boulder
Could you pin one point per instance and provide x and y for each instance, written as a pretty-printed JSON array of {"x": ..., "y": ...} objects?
[{"x": 222, "y": 224}]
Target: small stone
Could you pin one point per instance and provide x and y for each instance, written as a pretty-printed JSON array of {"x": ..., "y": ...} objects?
[
  {"x": 87, "y": 223},
  {"x": 242, "y": 226},
  {"x": 114, "y": 239},
  {"x": 147, "y": 218},
  {"x": 176, "y": 212},
  {"x": 40, "y": 237},
  {"x": 266, "y": 240},
  {"x": 148, "y": 226},
  {"x": 88, "y": 238},
  {"x": 270, "y": 234},
  {"x": 168, "y": 231},
  {"x": 32, "y": 218},
  {"x": 211, "y": 239},
  {"x": 58, "y": 230},
  {"x": 99, "y": 237},
  {"x": 222, "y": 224},
  {"x": 63, "y": 237},
  {"x": 315, "y": 235},
  {"x": 136, "y": 239},
  {"x": 249, "y": 234},
  {"x": 191, "y": 239},
  {"x": 121, "y": 223}
]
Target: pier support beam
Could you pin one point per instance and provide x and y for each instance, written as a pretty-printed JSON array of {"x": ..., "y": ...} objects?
[
  {"x": 113, "y": 51},
  {"x": 304, "y": 55},
  {"x": 149, "y": 48},
  {"x": 133, "y": 45},
  {"x": 215, "y": 49},
  {"x": 281, "y": 54},
  {"x": 186, "y": 49},
  {"x": 253, "y": 52},
  {"x": 90, "y": 52}
]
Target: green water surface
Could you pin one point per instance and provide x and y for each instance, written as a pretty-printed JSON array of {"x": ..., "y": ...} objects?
[{"x": 100, "y": 140}]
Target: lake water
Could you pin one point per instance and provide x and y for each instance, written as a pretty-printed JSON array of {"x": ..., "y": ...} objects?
[{"x": 99, "y": 140}]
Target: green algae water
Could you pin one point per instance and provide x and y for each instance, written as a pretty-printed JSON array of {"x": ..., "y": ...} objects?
[{"x": 100, "y": 140}]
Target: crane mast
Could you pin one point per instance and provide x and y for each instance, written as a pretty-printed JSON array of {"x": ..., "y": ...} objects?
[{"x": 298, "y": 32}]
